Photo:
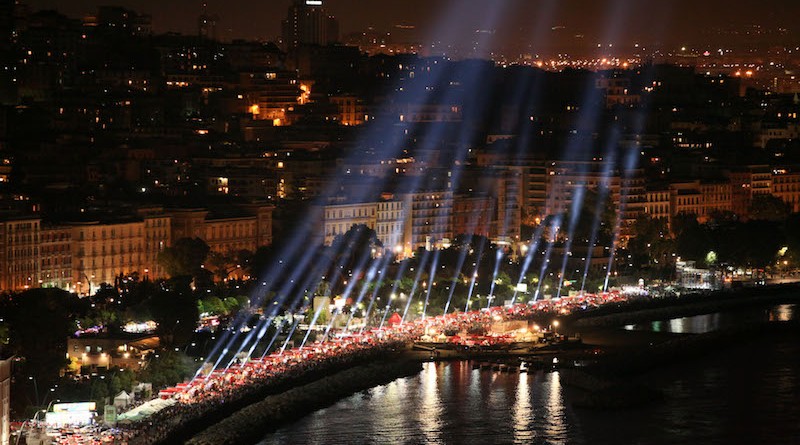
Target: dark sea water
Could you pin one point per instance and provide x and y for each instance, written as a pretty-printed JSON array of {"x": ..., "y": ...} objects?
[
  {"x": 748, "y": 393},
  {"x": 700, "y": 324}
]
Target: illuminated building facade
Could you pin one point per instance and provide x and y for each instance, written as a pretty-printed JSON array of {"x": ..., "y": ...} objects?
[
  {"x": 427, "y": 215},
  {"x": 270, "y": 94},
  {"x": 786, "y": 186},
  {"x": 656, "y": 203},
  {"x": 339, "y": 218},
  {"x": 19, "y": 257},
  {"x": 55, "y": 256},
  {"x": 746, "y": 183},
  {"x": 246, "y": 228},
  {"x": 157, "y": 237},
  {"x": 473, "y": 215},
  {"x": 104, "y": 251},
  {"x": 351, "y": 111},
  {"x": 389, "y": 226}
]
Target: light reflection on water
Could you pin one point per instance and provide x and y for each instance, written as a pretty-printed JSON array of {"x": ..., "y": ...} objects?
[
  {"x": 430, "y": 413},
  {"x": 747, "y": 395},
  {"x": 701, "y": 324},
  {"x": 523, "y": 414},
  {"x": 447, "y": 403}
]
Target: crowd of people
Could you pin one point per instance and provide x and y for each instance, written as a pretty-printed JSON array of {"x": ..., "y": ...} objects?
[{"x": 239, "y": 382}]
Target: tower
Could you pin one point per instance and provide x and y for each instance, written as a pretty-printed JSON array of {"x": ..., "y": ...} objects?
[
  {"x": 307, "y": 23},
  {"x": 207, "y": 24}
]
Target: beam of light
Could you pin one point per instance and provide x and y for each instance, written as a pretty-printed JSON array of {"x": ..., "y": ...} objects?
[
  {"x": 311, "y": 278},
  {"x": 282, "y": 296},
  {"x": 532, "y": 249},
  {"x": 474, "y": 276},
  {"x": 290, "y": 333},
  {"x": 587, "y": 121},
  {"x": 630, "y": 163},
  {"x": 230, "y": 336},
  {"x": 431, "y": 281},
  {"x": 299, "y": 237},
  {"x": 374, "y": 295},
  {"x": 471, "y": 289},
  {"x": 631, "y": 159},
  {"x": 554, "y": 227},
  {"x": 261, "y": 333},
  {"x": 602, "y": 196},
  {"x": 454, "y": 282},
  {"x": 372, "y": 278},
  {"x": 351, "y": 284},
  {"x": 310, "y": 327},
  {"x": 469, "y": 75},
  {"x": 466, "y": 134},
  {"x": 497, "y": 260},
  {"x": 574, "y": 217},
  {"x": 250, "y": 337},
  {"x": 289, "y": 285},
  {"x": 278, "y": 330},
  {"x": 385, "y": 313},
  {"x": 277, "y": 304},
  {"x": 395, "y": 286},
  {"x": 462, "y": 256},
  {"x": 425, "y": 256}
]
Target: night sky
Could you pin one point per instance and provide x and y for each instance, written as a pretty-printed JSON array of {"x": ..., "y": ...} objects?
[{"x": 518, "y": 22}]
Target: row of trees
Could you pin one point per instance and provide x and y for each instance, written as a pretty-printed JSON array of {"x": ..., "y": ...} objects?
[{"x": 756, "y": 243}]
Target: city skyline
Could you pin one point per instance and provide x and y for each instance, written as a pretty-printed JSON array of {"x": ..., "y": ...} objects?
[
  {"x": 197, "y": 222},
  {"x": 542, "y": 25}
]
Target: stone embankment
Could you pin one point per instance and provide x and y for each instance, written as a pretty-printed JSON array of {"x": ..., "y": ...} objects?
[
  {"x": 251, "y": 423},
  {"x": 183, "y": 424}
]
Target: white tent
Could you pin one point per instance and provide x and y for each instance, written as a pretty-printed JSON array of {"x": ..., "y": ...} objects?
[
  {"x": 122, "y": 400},
  {"x": 145, "y": 410}
]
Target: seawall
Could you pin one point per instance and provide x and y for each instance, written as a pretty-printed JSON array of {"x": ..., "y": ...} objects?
[{"x": 253, "y": 422}]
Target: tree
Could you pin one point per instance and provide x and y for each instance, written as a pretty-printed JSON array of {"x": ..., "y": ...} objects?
[
  {"x": 219, "y": 265},
  {"x": 469, "y": 241},
  {"x": 768, "y": 207},
  {"x": 222, "y": 265},
  {"x": 184, "y": 258},
  {"x": 212, "y": 305},
  {"x": 650, "y": 244},
  {"x": 761, "y": 241},
  {"x": 692, "y": 241},
  {"x": 167, "y": 367},
  {"x": 176, "y": 312},
  {"x": 41, "y": 320},
  {"x": 4, "y": 334},
  {"x": 792, "y": 231},
  {"x": 359, "y": 239},
  {"x": 596, "y": 219},
  {"x": 349, "y": 249}
]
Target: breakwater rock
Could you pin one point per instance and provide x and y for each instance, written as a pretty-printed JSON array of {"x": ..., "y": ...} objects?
[
  {"x": 182, "y": 423},
  {"x": 251, "y": 423}
]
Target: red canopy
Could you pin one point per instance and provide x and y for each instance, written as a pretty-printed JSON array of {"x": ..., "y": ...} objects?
[{"x": 395, "y": 319}]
